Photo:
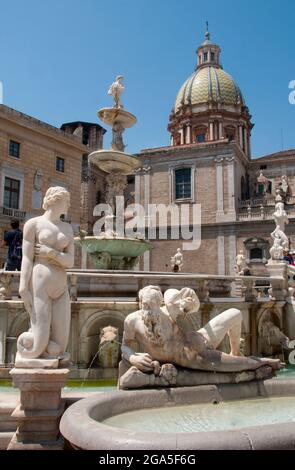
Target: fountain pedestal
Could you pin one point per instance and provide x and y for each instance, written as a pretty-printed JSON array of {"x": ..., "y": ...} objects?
[{"x": 40, "y": 409}]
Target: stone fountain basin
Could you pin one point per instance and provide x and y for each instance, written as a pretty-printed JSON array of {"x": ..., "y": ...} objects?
[
  {"x": 118, "y": 246},
  {"x": 111, "y": 115},
  {"x": 114, "y": 161},
  {"x": 82, "y": 423}
]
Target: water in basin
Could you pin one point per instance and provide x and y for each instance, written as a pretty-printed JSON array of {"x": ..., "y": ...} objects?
[
  {"x": 208, "y": 417},
  {"x": 72, "y": 385}
]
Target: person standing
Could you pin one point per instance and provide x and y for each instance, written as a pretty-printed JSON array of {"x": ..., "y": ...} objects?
[{"x": 14, "y": 239}]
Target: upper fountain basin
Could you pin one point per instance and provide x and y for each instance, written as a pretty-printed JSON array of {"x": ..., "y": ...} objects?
[{"x": 111, "y": 115}]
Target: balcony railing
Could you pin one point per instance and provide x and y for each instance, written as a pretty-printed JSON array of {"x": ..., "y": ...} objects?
[
  {"x": 264, "y": 201},
  {"x": 14, "y": 213},
  {"x": 261, "y": 213}
]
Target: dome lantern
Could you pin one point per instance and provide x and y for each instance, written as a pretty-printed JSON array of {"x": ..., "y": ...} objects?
[{"x": 208, "y": 53}]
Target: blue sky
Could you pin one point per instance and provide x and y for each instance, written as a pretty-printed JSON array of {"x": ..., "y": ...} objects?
[{"x": 58, "y": 58}]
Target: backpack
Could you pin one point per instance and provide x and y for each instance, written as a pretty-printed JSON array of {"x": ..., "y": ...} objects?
[{"x": 16, "y": 247}]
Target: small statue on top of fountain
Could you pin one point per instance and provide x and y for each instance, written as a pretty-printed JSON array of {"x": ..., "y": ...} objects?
[{"x": 116, "y": 89}]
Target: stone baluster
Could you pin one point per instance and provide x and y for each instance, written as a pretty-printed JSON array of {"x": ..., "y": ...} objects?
[
  {"x": 249, "y": 289},
  {"x": 203, "y": 290},
  {"x": 73, "y": 287},
  {"x": 5, "y": 286},
  {"x": 249, "y": 211},
  {"x": 262, "y": 212},
  {"x": 239, "y": 287}
]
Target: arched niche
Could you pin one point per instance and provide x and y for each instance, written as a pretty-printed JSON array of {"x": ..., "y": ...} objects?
[{"x": 89, "y": 337}]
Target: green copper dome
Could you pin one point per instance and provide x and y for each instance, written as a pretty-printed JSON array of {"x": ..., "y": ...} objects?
[{"x": 209, "y": 84}]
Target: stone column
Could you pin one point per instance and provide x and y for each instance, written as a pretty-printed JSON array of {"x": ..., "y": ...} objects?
[
  {"x": 211, "y": 130},
  {"x": 221, "y": 254},
  {"x": 249, "y": 147},
  {"x": 231, "y": 186},
  {"x": 40, "y": 409},
  {"x": 246, "y": 141},
  {"x": 219, "y": 187},
  {"x": 182, "y": 136},
  {"x": 188, "y": 134},
  {"x": 137, "y": 189},
  {"x": 83, "y": 258},
  {"x": 146, "y": 256},
  {"x": 3, "y": 328},
  {"x": 232, "y": 254},
  {"x": 220, "y": 133},
  {"x": 241, "y": 136}
]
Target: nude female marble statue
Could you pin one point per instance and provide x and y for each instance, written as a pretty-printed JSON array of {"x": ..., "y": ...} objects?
[
  {"x": 48, "y": 250},
  {"x": 164, "y": 336}
]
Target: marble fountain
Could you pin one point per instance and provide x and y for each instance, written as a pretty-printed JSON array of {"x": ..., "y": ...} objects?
[
  {"x": 177, "y": 388},
  {"x": 110, "y": 249},
  {"x": 174, "y": 398}
]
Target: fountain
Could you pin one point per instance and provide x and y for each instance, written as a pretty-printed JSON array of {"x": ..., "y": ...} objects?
[
  {"x": 111, "y": 249},
  {"x": 189, "y": 395}
]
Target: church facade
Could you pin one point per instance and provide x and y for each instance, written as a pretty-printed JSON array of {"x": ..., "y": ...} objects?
[{"x": 209, "y": 164}]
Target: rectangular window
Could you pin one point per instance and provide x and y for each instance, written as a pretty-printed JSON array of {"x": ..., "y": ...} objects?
[
  {"x": 183, "y": 188},
  {"x": 11, "y": 193},
  {"x": 14, "y": 149},
  {"x": 205, "y": 56},
  {"x": 212, "y": 56},
  {"x": 60, "y": 164}
]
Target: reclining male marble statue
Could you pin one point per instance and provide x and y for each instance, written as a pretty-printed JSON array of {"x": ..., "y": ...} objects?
[{"x": 161, "y": 348}]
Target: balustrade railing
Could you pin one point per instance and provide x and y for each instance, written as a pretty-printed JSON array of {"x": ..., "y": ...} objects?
[
  {"x": 93, "y": 285},
  {"x": 15, "y": 213}
]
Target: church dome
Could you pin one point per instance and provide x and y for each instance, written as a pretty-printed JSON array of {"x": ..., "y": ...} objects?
[
  {"x": 209, "y": 84},
  {"x": 210, "y": 106}
]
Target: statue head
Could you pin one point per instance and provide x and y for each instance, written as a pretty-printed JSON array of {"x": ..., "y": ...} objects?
[
  {"x": 56, "y": 195},
  {"x": 119, "y": 77},
  {"x": 151, "y": 298}
]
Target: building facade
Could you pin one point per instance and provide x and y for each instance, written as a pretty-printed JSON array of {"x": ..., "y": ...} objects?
[
  {"x": 209, "y": 164},
  {"x": 35, "y": 156}
]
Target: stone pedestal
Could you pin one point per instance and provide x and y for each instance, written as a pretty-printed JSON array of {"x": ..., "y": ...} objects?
[
  {"x": 279, "y": 279},
  {"x": 40, "y": 409}
]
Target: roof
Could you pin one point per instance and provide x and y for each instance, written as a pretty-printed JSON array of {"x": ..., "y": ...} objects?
[
  {"x": 209, "y": 84},
  {"x": 83, "y": 123}
]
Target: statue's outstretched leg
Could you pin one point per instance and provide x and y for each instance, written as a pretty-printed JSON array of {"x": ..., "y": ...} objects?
[{"x": 228, "y": 322}]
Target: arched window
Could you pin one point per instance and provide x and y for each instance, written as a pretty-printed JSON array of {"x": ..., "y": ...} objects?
[
  {"x": 230, "y": 133},
  {"x": 260, "y": 188},
  {"x": 183, "y": 185},
  {"x": 200, "y": 134}
]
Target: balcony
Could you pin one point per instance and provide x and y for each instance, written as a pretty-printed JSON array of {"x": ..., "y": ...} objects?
[{"x": 13, "y": 213}]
